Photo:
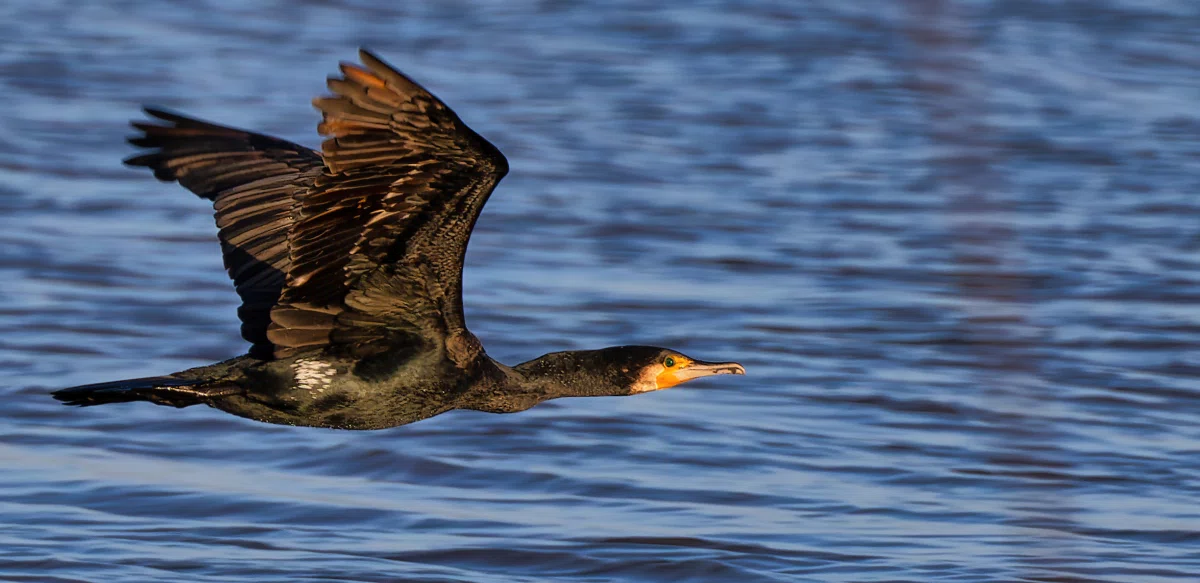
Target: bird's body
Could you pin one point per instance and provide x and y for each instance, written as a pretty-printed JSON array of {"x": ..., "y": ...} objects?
[
  {"x": 321, "y": 390},
  {"x": 349, "y": 263}
]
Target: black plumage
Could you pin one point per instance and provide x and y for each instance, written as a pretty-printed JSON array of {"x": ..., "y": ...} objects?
[
  {"x": 254, "y": 182},
  {"x": 349, "y": 264}
]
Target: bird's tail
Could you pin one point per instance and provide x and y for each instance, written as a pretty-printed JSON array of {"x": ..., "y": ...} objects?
[{"x": 172, "y": 391}]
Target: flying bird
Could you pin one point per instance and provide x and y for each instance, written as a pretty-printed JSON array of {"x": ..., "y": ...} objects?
[{"x": 349, "y": 261}]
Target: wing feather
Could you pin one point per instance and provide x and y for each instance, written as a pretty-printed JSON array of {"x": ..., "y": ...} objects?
[
  {"x": 378, "y": 244},
  {"x": 254, "y": 181},
  {"x": 357, "y": 247}
]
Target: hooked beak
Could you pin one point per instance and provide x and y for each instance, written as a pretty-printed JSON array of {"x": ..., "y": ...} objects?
[{"x": 697, "y": 369}]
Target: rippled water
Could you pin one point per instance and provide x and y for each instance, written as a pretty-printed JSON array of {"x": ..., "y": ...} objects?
[{"x": 957, "y": 245}]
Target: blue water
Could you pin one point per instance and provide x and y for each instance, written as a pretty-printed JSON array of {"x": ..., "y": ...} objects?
[{"x": 956, "y": 245}]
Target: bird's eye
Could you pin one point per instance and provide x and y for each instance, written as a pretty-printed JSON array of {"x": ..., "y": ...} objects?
[{"x": 669, "y": 362}]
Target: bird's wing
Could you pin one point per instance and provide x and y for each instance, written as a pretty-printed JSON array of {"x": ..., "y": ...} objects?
[
  {"x": 377, "y": 251},
  {"x": 254, "y": 182}
]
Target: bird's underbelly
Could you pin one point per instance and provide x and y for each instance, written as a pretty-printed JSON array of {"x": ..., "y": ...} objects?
[{"x": 342, "y": 405}]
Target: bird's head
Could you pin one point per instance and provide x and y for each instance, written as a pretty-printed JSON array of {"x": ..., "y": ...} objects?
[
  {"x": 647, "y": 368},
  {"x": 622, "y": 370}
]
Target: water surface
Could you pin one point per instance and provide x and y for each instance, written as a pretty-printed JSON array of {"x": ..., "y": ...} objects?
[{"x": 954, "y": 243}]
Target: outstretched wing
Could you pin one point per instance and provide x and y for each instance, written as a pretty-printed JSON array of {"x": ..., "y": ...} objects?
[
  {"x": 254, "y": 182},
  {"x": 377, "y": 251}
]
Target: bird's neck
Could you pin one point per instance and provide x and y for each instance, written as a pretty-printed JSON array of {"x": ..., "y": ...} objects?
[
  {"x": 529, "y": 383},
  {"x": 581, "y": 373},
  {"x": 565, "y": 374}
]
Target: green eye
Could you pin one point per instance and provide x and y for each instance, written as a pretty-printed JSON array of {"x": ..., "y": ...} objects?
[{"x": 669, "y": 362}]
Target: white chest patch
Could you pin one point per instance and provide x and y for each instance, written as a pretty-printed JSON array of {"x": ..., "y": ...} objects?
[{"x": 313, "y": 375}]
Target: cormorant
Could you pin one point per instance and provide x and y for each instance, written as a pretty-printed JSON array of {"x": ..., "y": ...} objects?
[{"x": 349, "y": 261}]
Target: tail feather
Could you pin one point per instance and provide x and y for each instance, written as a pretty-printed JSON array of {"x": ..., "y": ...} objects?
[{"x": 161, "y": 390}]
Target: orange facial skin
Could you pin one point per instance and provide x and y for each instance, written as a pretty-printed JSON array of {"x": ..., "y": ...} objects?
[{"x": 678, "y": 369}]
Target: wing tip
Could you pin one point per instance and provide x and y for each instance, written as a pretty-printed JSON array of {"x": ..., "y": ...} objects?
[
  {"x": 367, "y": 56},
  {"x": 157, "y": 111},
  {"x": 368, "y": 61},
  {"x": 139, "y": 160},
  {"x": 387, "y": 73}
]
